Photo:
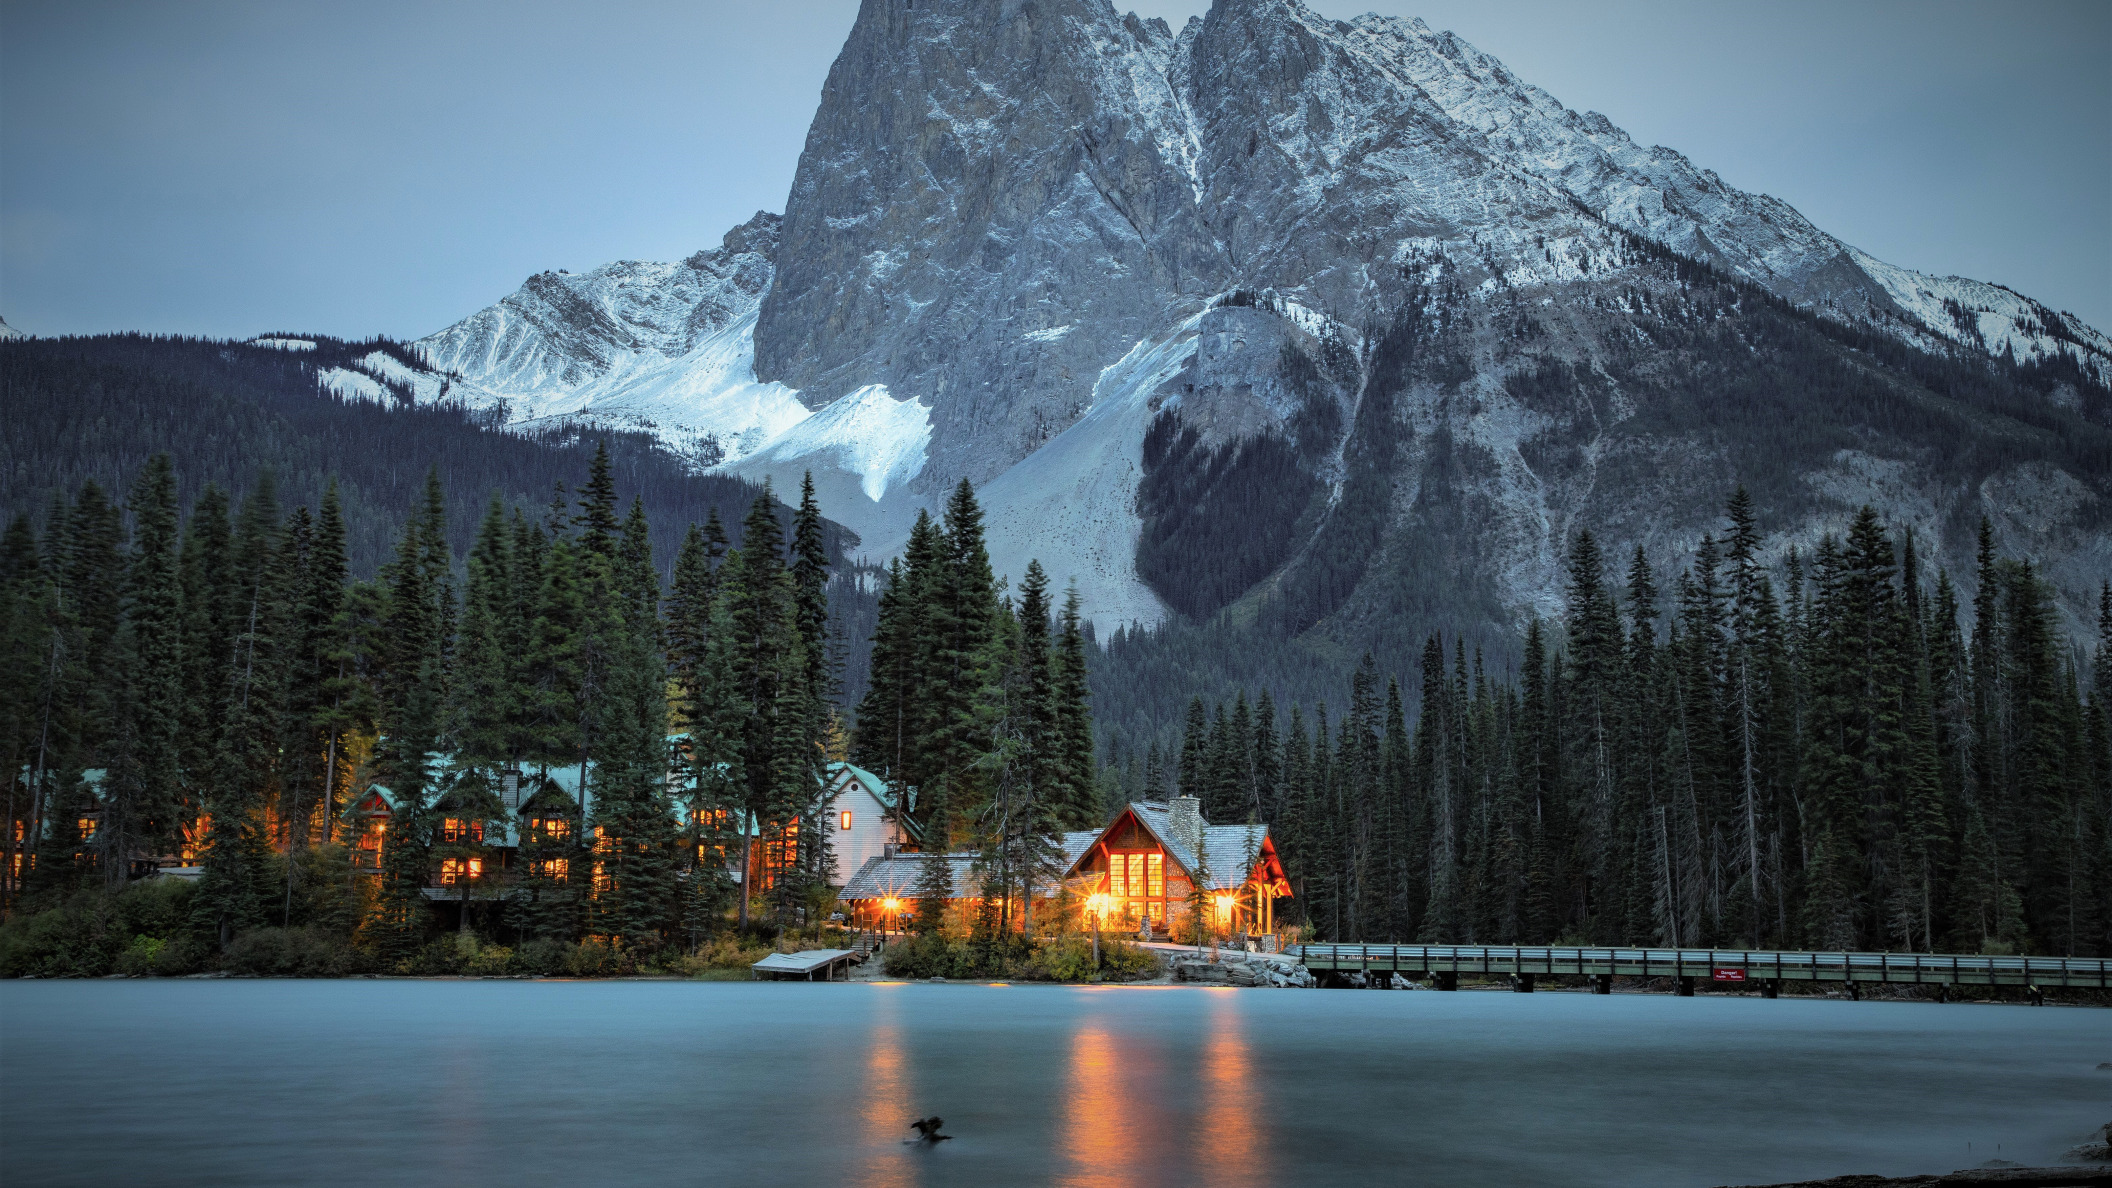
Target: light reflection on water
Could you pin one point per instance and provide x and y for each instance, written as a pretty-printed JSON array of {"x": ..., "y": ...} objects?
[
  {"x": 521, "y": 1084},
  {"x": 1234, "y": 1108},
  {"x": 884, "y": 1103}
]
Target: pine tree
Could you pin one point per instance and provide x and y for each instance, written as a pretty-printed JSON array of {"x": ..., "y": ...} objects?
[
  {"x": 765, "y": 664},
  {"x": 237, "y": 883},
  {"x": 1078, "y": 801},
  {"x": 412, "y": 695},
  {"x": 141, "y": 812}
]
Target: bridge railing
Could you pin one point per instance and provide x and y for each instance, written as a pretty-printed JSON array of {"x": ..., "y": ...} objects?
[{"x": 1805, "y": 965}]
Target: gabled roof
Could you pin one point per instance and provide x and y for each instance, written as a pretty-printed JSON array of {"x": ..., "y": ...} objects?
[
  {"x": 1076, "y": 844},
  {"x": 897, "y": 877},
  {"x": 1229, "y": 851},
  {"x": 849, "y": 778}
]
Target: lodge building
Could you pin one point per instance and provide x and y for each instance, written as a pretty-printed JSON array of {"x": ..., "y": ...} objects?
[
  {"x": 1138, "y": 873},
  {"x": 859, "y": 813}
]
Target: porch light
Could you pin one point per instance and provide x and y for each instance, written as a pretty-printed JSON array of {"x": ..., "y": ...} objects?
[
  {"x": 891, "y": 905},
  {"x": 1099, "y": 904}
]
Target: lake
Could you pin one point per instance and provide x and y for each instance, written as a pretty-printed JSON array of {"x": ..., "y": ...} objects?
[{"x": 589, "y": 1083}]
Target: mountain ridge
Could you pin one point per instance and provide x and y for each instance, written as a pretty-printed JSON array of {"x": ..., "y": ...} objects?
[{"x": 1002, "y": 212}]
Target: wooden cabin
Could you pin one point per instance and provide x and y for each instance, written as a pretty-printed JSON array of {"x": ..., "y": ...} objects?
[
  {"x": 1148, "y": 860},
  {"x": 1140, "y": 869}
]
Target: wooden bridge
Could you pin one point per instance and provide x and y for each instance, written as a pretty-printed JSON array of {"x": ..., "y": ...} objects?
[{"x": 1443, "y": 964}]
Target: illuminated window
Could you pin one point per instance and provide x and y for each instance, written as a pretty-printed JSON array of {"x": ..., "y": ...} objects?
[
  {"x": 1158, "y": 912},
  {"x": 845, "y": 824},
  {"x": 553, "y": 869},
  {"x": 87, "y": 827},
  {"x": 602, "y": 882},
  {"x": 451, "y": 870},
  {"x": 1115, "y": 882},
  {"x": 1156, "y": 865},
  {"x": 455, "y": 831},
  {"x": 550, "y": 829},
  {"x": 1136, "y": 874}
]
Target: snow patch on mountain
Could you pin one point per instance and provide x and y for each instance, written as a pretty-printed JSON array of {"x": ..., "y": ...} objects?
[
  {"x": 1990, "y": 317},
  {"x": 285, "y": 344},
  {"x": 425, "y": 387},
  {"x": 1072, "y": 504},
  {"x": 665, "y": 349},
  {"x": 347, "y": 384},
  {"x": 866, "y": 433}
]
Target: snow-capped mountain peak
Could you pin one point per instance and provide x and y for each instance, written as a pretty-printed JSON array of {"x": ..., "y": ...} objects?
[{"x": 1001, "y": 209}]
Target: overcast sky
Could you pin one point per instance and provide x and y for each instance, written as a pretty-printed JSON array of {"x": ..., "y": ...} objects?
[{"x": 227, "y": 168}]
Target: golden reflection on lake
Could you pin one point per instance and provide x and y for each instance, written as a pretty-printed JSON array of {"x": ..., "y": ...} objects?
[
  {"x": 1233, "y": 1148},
  {"x": 1103, "y": 1121},
  {"x": 885, "y": 1116}
]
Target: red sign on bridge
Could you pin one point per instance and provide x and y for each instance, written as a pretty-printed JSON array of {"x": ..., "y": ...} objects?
[{"x": 1726, "y": 975}]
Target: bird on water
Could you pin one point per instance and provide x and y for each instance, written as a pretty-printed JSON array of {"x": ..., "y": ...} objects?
[{"x": 928, "y": 1129}]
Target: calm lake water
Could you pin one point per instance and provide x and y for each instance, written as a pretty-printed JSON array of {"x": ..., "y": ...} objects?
[{"x": 589, "y": 1083}]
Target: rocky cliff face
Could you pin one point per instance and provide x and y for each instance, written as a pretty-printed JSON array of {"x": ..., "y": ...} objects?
[{"x": 1400, "y": 318}]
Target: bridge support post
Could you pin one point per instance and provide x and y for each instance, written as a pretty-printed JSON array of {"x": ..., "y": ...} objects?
[
  {"x": 1447, "y": 980},
  {"x": 1522, "y": 983},
  {"x": 2038, "y": 996},
  {"x": 1855, "y": 993},
  {"x": 1769, "y": 988},
  {"x": 1602, "y": 983},
  {"x": 1686, "y": 987}
]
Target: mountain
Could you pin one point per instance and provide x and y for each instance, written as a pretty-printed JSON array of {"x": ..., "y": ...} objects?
[
  {"x": 1335, "y": 330},
  {"x": 96, "y": 408},
  {"x": 7, "y": 331},
  {"x": 661, "y": 348}
]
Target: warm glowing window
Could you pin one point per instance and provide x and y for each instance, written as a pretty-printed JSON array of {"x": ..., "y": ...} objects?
[
  {"x": 1136, "y": 874},
  {"x": 602, "y": 845},
  {"x": 87, "y": 827},
  {"x": 1158, "y": 912},
  {"x": 452, "y": 870},
  {"x": 1155, "y": 864},
  {"x": 601, "y": 878},
  {"x": 550, "y": 829},
  {"x": 1115, "y": 882},
  {"x": 455, "y": 830},
  {"x": 553, "y": 869},
  {"x": 845, "y": 823}
]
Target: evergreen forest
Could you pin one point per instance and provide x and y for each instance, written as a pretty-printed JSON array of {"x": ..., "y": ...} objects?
[
  {"x": 1857, "y": 759},
  {"x": 217, "y": 689}
]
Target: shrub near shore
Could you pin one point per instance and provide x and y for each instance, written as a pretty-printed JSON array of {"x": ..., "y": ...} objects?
[
  {"x": 145, "y": 931},
  {"x": 1067, "y": 958}
]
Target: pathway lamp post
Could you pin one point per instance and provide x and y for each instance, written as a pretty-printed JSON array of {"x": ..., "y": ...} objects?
[{"x": 1097, "y": 904}]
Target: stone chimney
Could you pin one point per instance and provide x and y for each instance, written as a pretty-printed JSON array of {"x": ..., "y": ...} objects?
[{"x": 1186, "y": 821}]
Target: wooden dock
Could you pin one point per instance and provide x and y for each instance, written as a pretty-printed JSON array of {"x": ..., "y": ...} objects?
[
  {"x": 807, "y": 966},
  {"x": 1726, "y": 968}
]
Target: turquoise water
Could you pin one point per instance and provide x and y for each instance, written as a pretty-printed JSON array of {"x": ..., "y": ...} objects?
[{"x": 588, "y": 1083}]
